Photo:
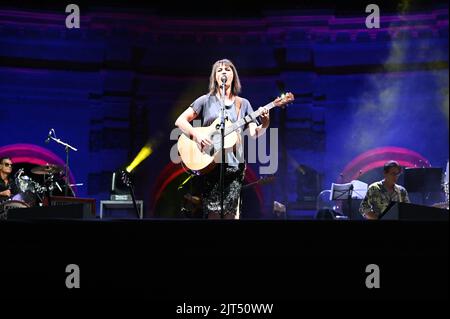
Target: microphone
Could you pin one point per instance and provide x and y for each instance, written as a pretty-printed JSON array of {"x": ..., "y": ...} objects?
[
  {"x": 223, "y": 78},
  {"x": 48, "y": 136}
]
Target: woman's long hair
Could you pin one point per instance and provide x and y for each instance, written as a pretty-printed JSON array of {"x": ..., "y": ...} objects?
[{"x": 235, "y": 84}]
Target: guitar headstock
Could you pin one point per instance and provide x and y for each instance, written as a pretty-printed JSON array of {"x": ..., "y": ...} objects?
[{"x": 284, "y": 99}]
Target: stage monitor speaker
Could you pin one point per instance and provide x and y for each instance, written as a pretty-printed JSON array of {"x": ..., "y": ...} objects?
[
  {"x": 88, "y": 204},
  {"x": 74, "y": 211},
  {"x": 407, "y": 211}
]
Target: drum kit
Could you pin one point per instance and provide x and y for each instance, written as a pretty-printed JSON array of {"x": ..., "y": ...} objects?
[{"x": 31, "y": 193}]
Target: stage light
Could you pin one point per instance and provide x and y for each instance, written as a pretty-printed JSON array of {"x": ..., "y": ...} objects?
[
  {"x": 119, "y": 190},
  {"x": 142, "y": 155}
]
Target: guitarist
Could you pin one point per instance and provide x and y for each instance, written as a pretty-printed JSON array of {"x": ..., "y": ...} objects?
[{"x": 207, "y": 108}]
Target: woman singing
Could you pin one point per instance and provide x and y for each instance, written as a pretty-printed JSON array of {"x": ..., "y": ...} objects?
[{"x": 208, "y": 108}]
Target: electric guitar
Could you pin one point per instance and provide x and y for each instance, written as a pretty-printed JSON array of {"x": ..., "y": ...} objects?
[{"x": 203, "y": 160}]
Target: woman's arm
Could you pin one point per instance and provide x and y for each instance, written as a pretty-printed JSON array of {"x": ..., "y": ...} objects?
[
  {"x": 257, "y": 131},
  {"x": 183, "y": 124},
  {"x": 183, "y": 120}
]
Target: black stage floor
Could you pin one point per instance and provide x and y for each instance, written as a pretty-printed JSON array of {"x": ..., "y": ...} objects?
[{"x": 249, "y": 260}]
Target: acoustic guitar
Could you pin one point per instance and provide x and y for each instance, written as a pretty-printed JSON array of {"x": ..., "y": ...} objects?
[{"x": 202, "y": 160}]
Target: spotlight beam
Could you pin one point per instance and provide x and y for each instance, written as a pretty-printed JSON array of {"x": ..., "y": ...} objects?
[{"x": 142, "y": 155}]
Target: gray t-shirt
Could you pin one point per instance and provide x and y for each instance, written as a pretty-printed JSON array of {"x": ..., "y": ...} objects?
[{"x": 208, "y": 109}]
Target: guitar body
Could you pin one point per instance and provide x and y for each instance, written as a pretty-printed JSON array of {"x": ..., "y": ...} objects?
[{"x": 202, "y": 161}]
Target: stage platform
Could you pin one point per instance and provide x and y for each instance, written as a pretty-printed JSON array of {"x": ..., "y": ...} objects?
[{"x": 268, "y": 260}]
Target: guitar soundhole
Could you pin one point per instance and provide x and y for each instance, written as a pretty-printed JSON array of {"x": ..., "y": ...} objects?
[
  {"x": 210, "y": 150},
  {"x": 216, "y": 142}
]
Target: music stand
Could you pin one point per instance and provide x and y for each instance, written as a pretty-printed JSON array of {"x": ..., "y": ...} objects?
[
  {"x": 359, "y": 189},
  {"x": 342, "y": 192},
  {"x": 423, "y": 180}
]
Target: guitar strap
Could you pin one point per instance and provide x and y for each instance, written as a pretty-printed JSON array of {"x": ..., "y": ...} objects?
[
  {"x": 238, "y": 111},
  {"x": 238, "y": 106}
]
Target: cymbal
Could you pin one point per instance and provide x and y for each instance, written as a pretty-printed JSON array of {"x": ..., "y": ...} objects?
[{"x": 46, "y": 169}]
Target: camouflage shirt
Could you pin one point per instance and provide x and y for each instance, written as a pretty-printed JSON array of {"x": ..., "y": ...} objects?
[{"x": 378, "y": 198}]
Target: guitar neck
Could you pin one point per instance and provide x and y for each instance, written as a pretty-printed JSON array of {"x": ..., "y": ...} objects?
[
  {"x": 262, "y": 180},
  {"x": 247, "y": 119}
]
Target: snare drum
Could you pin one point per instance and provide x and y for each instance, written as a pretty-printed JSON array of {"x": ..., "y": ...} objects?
[
  {"x": 28, "y": 191},
  {"x": 13, "y": 204},
  {"x": 28, "y": 198}
]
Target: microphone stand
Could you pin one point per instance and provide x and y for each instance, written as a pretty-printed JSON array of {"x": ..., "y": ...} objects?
[
  {"x": 133, "y": 198},
  {"x": 67, "y": 147},
  {"x": 222, "y": 148},
  {"x": 126, "y": 178},
  {"x": 349, "y": 201}
]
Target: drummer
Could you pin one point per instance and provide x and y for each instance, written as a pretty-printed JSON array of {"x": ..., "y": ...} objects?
[{"x": 7, "y": 186}]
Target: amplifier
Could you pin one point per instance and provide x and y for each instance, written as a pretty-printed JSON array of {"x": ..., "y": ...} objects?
[
  {"x": 74, "y": 211},
  {"x": 88, "y": 204}
]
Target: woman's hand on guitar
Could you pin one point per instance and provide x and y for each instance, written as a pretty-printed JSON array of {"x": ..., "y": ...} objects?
[
  {"x": 265, "y": 117},
  {"x": 202, "y": 140}
]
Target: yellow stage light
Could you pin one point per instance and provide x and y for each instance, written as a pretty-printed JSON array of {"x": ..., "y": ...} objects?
[{"x": 142, "y": 155}]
